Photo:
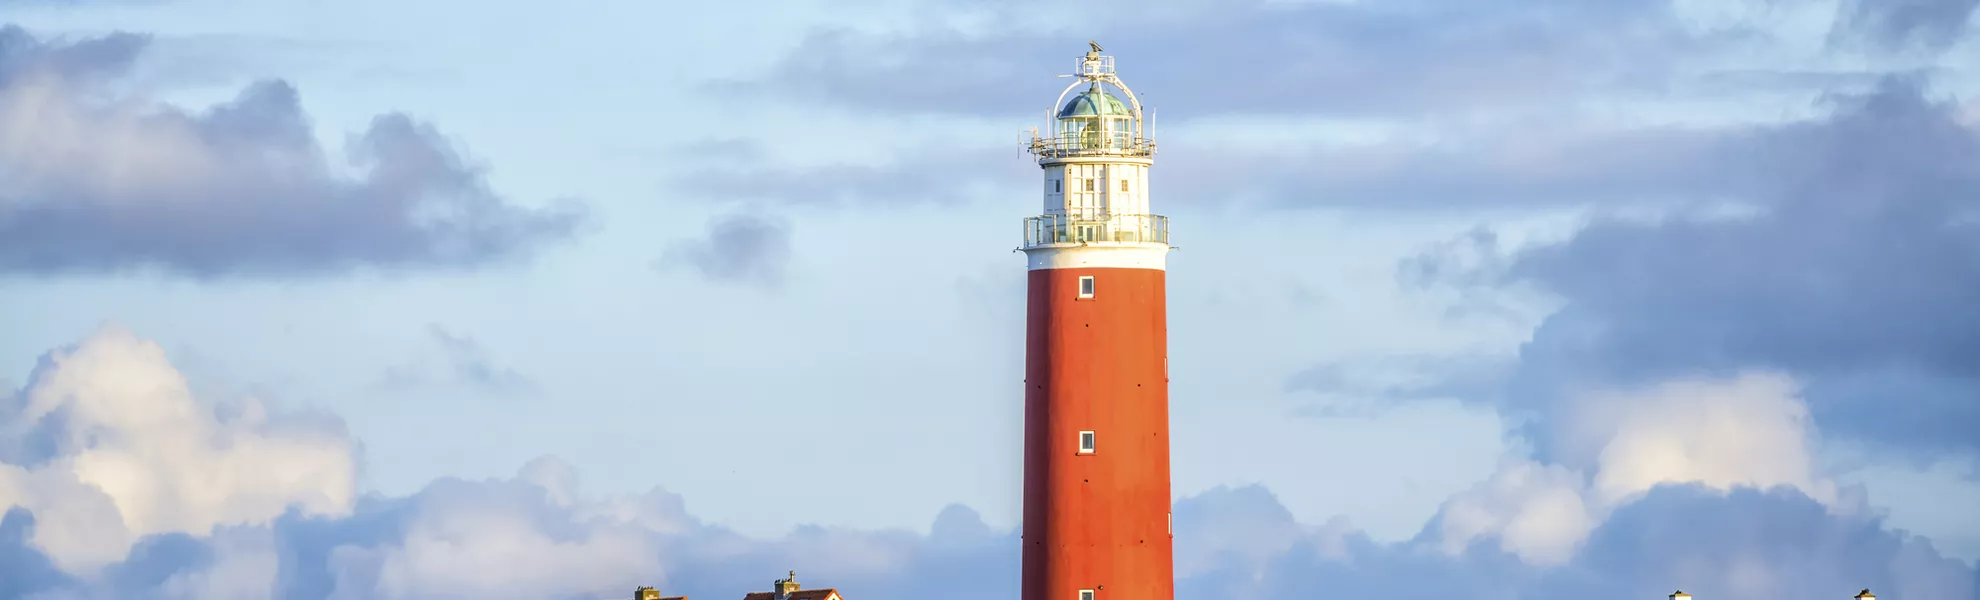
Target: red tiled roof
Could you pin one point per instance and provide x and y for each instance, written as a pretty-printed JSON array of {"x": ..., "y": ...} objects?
[{"x": 797, "y": 595}]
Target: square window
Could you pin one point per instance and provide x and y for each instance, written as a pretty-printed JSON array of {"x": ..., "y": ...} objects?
[
  {"x": 1086, "y": 286},
  {"x": 1086, "y": 595},
  {"x": 1085, "y": 442}
]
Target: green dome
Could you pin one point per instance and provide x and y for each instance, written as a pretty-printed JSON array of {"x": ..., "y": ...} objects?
[{"x": 1092, "y": 102}]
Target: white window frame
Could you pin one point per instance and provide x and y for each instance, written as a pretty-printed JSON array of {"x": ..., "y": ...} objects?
[
  {"x": 1124, "y": 185},
  {"x": 1087, "y": 286},
  {"x": 1089, "y": 184},
  {"x": 1086, "y": 595},
  {"x": 1083, "y": 442}
]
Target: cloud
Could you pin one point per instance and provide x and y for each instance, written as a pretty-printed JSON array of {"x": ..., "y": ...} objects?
[
  {"x": 1613, "y": 446},
  {"x": 96, "y": 182},
  {"x": 27, "y": 569},
  {"x": 1518, "y": 164},
  {"x": 1495, "y": 101},
  {"x": 1258, "y": 57},
  {"x": 1368, "y": 386},
  {"x": 740, "y": 247},
  {"x": 105, "y": 445},
  {"x": 1847, "y": 266},
  {"x": 516, "y": 539},
  {"x": 1906, "y": 25},
  {"x": 213, "y": 485},
  {"x": 1750, "y": 543},
  {"x": 467, "y": 362}
]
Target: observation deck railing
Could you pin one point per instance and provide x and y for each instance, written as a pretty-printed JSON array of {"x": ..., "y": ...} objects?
[
  {"x": 1118, "y": 144},
  {"x": 1057, "y": 229}
]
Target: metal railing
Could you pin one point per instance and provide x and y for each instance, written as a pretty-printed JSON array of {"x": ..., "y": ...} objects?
[
  {"x": 1092, "y": 144},
  {"x": 1047, "y": 230}
]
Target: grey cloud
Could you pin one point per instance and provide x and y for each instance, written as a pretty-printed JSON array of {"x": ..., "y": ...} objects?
[
  {"x": 471, "y": 363},
  {"x": 1927, "y": 25},
  {"x": 721, "y": 149},
  {"x": 1752, "y": 544},
  {"x": 1259, "y": 57},
  {"x": 1366, "y": 387},
  {"x": 466, "y": 362},
  {"x": 1515, "y": 166},
  {"x": 1707, "y": 543},
  {"x": 1854, "y": 270},
  {"x": 93, "y": 59},
  {"x": 27, "y": 570},
  {"x": 738, "y": 248},
  {"x": 242, "y": 189},
  {"x": 1523, "y": 165}
]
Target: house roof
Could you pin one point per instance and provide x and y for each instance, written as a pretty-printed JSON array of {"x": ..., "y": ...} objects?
[{"x": 644, "y": 593}]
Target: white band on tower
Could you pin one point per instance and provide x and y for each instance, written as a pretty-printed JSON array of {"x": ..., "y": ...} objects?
[{"x": 1098, "y": 257}]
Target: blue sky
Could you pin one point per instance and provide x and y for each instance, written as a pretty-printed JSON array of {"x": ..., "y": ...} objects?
[{"x": 1475, "y": 299}]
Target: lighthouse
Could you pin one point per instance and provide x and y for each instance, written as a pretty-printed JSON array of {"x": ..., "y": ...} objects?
[{"x": 1097, "y": 521}]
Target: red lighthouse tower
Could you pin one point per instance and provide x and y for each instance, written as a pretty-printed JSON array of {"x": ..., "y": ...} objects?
[{"x": 1097, "y": 524}]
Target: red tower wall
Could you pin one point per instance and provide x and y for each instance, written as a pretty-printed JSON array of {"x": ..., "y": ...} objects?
[{"x": 1097, "y": 521}]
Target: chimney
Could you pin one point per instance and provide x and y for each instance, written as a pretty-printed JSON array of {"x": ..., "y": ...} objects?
[
  {"x": 1680, "y": 595},
  {"x": 646, "y": 593},
  {"x": 1865, "y": 595},
  {"x": 783, "y": 588}
]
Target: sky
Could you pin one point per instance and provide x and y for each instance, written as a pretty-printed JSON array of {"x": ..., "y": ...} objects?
[{"x": 1536, "y": 299}]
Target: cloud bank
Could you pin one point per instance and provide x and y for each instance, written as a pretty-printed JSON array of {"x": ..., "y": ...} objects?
[
  {"x": 96, "y": 181},
  {"x": 117, "y": 482},
  {"x": 1407, "y": 58},
  {"x": 1848, "y": 264},
  {"x": 1256, "y": 57}
]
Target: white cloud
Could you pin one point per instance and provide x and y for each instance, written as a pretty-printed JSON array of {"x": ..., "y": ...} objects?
[
  {"x": 1751, "y": 430},
  {"x": 246, "y": 566},
  {"x": 131, "y": 453},
  {"x": 497, "y": 542},
  {"x": 1537, "y": 510}
]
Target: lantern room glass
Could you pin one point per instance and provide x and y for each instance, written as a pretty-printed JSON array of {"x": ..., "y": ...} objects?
[{"x": 1097, "y": 120}]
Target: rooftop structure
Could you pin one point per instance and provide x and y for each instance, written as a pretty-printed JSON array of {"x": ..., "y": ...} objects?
[
  {"x": 647, "y": 593},
  {"x": 788, "y": 589},
  {"x": 1096, "y": 122}
]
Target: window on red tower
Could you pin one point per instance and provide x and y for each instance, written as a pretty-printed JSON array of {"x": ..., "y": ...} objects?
[
  {"x": 1085, "y": 442},
  {"x": 1086, "y": 286},
  {"x": 1086, "y": 595}
]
